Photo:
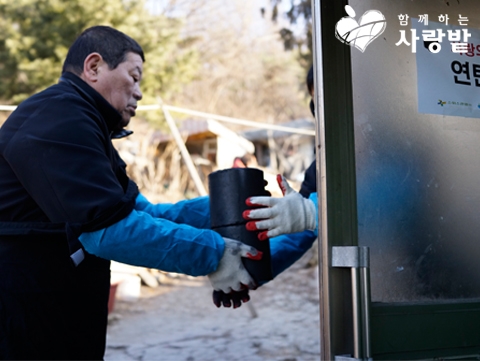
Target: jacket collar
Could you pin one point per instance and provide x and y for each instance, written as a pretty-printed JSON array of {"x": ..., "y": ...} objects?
[{"x": 110, "y": 114}]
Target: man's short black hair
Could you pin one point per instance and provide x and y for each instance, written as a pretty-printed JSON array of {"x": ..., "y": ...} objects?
[{"x": 111, "y": 44}]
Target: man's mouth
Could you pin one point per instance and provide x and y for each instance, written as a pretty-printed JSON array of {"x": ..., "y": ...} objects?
[{"x": 131, "y": 109}]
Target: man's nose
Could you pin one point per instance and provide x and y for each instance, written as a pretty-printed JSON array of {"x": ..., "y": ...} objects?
[{"x": 137, "y": 93}]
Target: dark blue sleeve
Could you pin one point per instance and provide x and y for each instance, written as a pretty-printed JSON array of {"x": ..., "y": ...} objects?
[
  {"x": 289, "y": 248},
  {"x": 309, "y": 184}
]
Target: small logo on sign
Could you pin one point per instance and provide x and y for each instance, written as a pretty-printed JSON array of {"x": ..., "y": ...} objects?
[
  {"x": 360, "y": 34},
  {"x": 441, "y": 103}
]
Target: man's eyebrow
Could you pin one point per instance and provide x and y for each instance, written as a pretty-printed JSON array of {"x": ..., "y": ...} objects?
[{"x": 139, "y": 70}]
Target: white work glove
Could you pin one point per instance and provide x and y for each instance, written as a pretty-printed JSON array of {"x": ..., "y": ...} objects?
[
  {"x": 231, "y": 274},
  {"x": 290, "y": 214}
]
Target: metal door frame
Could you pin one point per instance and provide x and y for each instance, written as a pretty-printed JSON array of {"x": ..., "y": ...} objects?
[{"x": 335, "y": 178}]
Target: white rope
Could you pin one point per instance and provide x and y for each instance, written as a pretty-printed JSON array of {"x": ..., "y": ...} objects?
[
  {"x": 11, "y": 108},
  {"x": 8, "y": 108}
]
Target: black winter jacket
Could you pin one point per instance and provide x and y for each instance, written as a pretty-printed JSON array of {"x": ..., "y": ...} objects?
[{"x": 60, "y": 176}]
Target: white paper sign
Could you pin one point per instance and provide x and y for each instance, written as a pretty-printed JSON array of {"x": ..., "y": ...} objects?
[{"x": 448, "y": 69}]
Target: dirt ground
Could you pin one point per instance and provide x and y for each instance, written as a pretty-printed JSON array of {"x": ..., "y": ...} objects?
[{"x": 177, "y": 321}]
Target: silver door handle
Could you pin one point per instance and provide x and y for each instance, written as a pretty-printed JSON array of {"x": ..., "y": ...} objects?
[{"x": 358, "y": 260}]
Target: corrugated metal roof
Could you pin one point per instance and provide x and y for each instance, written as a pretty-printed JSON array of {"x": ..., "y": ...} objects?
[
  {"x": 206, "y": 128},
  {"x": 262, "y": 134},
  {"x": 187, "y": 128}
]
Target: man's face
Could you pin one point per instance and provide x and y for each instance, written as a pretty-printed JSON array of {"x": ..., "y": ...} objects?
[{"x": 121, "y": 86}]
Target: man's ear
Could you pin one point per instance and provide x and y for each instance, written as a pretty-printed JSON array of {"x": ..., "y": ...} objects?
[{"x": 90, "y": 67}]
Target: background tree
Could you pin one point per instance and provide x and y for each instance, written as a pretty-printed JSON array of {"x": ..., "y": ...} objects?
[
  {"x": 245, "y": 72},
  {"x": 35, "y": 36},
  {"x": 213, "y": 56},
  {"x": 297, "y": 32}
]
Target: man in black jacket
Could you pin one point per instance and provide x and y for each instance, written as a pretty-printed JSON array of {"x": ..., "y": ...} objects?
[{"x": 67, "y": 207}]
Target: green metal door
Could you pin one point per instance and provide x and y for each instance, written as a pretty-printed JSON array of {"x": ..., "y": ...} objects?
[{"x": 399, "y": 176}]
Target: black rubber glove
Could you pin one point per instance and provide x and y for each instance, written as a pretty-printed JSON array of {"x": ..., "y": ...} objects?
[{"x": 227, "y": 299}]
